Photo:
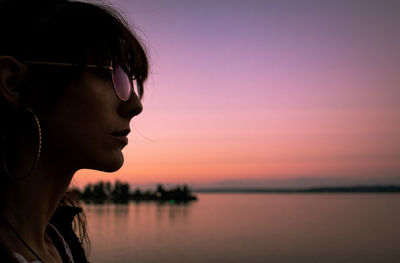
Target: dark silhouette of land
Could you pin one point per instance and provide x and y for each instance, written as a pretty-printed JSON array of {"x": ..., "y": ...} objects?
[
  {"x": 328, "y": 189},
  {"x": 119, "y": 192}
]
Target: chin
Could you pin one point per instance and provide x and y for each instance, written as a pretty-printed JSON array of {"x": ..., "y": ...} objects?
[{"x": 111, "y": 164}]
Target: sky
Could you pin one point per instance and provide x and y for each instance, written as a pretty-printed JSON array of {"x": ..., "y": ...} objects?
[{"x": 265, "y": 94}]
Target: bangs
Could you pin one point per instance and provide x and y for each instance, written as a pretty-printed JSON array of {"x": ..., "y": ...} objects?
[{"x": 108, "y": 38}]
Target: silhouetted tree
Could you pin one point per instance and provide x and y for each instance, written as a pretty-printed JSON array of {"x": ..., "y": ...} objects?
[
  {"x": 120, "y": 193},
  {"x": 99, "y": 193},
  {"x": 161, "y": 193},
  {"x": 88, "y": 192}
]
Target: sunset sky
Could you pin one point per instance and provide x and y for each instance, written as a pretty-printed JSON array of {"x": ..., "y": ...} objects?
[{"x": 265, "y": 93}]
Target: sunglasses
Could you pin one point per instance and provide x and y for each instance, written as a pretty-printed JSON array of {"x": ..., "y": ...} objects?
[{"x": 123, "y": 84}]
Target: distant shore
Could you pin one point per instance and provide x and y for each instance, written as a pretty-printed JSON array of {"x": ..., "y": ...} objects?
[
  {"x": 120, "y": 192},
  {"x": 308, "y": 190}
]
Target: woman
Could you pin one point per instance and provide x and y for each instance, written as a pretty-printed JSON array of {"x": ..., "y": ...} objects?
[{"x": 71, "y": 79}]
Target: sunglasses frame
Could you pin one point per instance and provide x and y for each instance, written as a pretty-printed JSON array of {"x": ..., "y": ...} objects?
[{"x": 111, "y": 68}]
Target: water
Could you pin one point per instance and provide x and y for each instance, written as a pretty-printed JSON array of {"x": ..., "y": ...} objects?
[{"x": 250, "y": 228}]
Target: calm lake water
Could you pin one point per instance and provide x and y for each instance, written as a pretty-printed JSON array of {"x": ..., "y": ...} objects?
[{"x": 250, "y": 228}]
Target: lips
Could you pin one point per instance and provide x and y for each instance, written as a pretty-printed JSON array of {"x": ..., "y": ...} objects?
[
  {"x": 121, "y": 136},
  {"x": 124, "y": 132}
]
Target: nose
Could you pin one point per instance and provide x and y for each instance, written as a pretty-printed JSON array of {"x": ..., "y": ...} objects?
[{"x": 131, "y": 107}]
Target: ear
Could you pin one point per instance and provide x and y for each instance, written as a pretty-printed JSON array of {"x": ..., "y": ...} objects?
[{"x": 11, "y": 75}]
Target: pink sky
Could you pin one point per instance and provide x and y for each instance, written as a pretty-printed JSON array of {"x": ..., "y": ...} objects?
[{"x": 265, "y": 90}]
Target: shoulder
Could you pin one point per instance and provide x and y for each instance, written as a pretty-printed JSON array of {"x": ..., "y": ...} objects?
[{"x": 62, "y": 223}]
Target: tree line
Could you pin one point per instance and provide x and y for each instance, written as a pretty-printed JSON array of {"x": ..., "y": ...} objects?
[{"x": 120, "y": 192}]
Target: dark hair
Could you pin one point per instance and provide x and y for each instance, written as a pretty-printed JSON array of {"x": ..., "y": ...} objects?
[{"x": 69, "y": 32}]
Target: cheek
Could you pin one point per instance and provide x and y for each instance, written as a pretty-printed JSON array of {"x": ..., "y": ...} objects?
[{"x": 79, "y": 128}]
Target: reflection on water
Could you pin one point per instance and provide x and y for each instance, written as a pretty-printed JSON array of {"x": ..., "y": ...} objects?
[{"x": 249, "y": 228}]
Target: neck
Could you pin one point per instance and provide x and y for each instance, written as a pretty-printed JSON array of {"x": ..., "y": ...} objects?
[{"x": 28, "y": 204}]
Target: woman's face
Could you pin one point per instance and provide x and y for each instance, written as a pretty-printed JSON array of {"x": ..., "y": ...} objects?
[{"x": 82, "y": 129}]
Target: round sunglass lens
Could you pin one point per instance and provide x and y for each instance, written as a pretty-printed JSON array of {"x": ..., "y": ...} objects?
[{"x": 122, "y": 84}]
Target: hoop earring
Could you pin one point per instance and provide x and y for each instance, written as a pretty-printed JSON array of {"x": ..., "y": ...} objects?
[{"x": 37, "y": 155}]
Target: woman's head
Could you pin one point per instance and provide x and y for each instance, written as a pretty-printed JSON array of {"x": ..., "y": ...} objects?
[
  {"x": 75, "y": 104},
  {"x": 68, "y": 32}
]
